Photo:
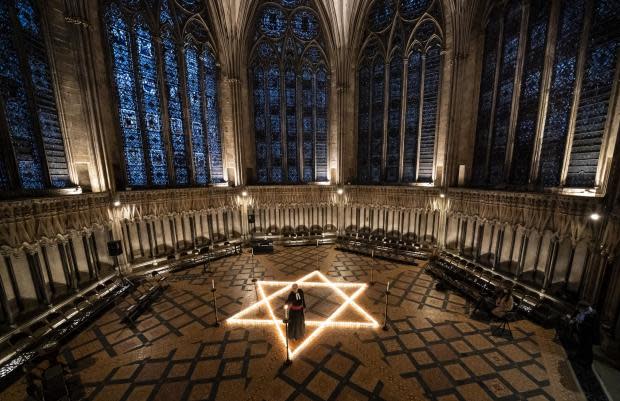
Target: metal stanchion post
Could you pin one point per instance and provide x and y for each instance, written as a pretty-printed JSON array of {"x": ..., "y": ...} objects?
[
  {"x": 317, "y": 254},
  {"x": 288, "y": 361},
  {"x": 385, "y": 317},
  {"x": 217, "y": 321},
  {"x": 372, "y": 266}
]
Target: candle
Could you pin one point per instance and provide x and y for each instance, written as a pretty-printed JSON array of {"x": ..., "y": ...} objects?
[
  {"x": 286, "y": 311},
  {"x": 373, "y": 253},
  {"x": 388, "y": 286},
  {"x": 212, "y": 284}
]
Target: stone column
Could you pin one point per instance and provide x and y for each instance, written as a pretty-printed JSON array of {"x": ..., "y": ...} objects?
[{"x": 82, "y": 43}]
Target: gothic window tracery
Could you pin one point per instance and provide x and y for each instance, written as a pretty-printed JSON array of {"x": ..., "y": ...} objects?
[
  {"x": 399, "y": 77},
  {"x": 290, "y": 83},
  {"x": 33, "y": 155},
  {"x": 151, "y": 58}
]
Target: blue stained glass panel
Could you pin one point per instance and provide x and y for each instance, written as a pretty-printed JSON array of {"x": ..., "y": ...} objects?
[
  {"x": 4, "y": 175},
  {"x": 381, "y": 14},
  {"x": 376, "y": 135},
  {"x": 412, "y": 9},
  {"x": 16, "y": 110},
  {"x": 305, "y": 24},
  {"x": 429, "y": 114},
  {"x": 598, "y": 81},
  {"x": 410, "y": 151},
  {"x": 194, "y": 93},
  {"x": 43, "y": 97},
  {"x": 307, "y": 93},
  {"x": 363, "y": 124},
  {"x": 321, "y": 125},
  {"x": 425, "y": 30},
  {"x": 27, "y": 17},
  {"x": 273, "y": 22},
  {"x": 394, "y": 109},
  {"x": 291, "y": 123},
  {"x": 510, "y": 48},
  {"x": 164, "y": 15},
  {"x": 487, "y": 95},
  {"x": 260, "y": 125},
  {"x": 561, "y": 93},
  {"x": 147, "y": 72},
  {"x": 273, "y": 88},
  {"x": 120, "y": 40},
  {"x": 213, "y": 118},
  {"x": 530, "y": 92},
  {"x": 175, "y": 110}
]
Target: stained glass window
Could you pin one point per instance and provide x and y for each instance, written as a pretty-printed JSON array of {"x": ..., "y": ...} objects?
[
  {"x": 290, "y": 84},
  {"x": 320, "y": 150},
  {"x": 394, "y": 110},
  {"x": 175, "y": 109},
  {"x": 35, "y": 146},
  {"x": 598, "y": 80},
  {"x": 487, "y": 96},
  {"x": 391, "y": 150},
  {"x": 561, "y": 93},
  {"x": 429, "y": 113},
  {"x": 376, "y": 124},
  {"x": 216, "y": 166},
  {"x": 147, "y": 73},
  {"x": 501, "y": 126},
  {"x": 363, "y": 124},
  {"x": 196, "y": 112},
  {"x": 155, "y": 132},
  {"x": 571, "y": 132},
  {"x": 534, "y": 65},
  {"x": 123, "y": 69},
  {"x": 410, "y": 151}
]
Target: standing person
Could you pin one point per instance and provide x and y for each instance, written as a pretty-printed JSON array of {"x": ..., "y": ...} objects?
[
  {"x": 504, "y": 303},
  {"x": 296, "y": 321}
]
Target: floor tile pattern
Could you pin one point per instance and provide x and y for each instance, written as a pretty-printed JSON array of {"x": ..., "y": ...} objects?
[
  {"x": 463, "y": 360},
  {"x": 432, "y": 350}
]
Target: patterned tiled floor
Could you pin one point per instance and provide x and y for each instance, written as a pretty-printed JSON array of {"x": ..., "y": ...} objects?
[{"x": 431, "y": 350}]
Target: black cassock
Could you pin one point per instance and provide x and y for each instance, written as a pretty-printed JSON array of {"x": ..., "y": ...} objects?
[{"x": 296, "y": 321}]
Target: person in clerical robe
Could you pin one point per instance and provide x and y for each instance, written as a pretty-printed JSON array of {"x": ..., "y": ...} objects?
[{"x": 296, "y": 304}]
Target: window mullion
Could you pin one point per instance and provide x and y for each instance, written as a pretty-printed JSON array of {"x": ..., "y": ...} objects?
[
  {"x": 386, "y": 111},
  {"x": 314, "y": 119},
  {"x": 203, "y": 112},
  {"x": 139, "y": 104},
  {"x": 581, "y": 62},
  {"x": 516, "y": 93},
  {"x": 421, "y": 115},
  {"x": 164, "y": 112},
  {"x": 185, "y": 104},
  {"x": 403, "y": 116},
  {"x": 498, "y": 63},
  {"x": 545, "y": 89},
  {"x": 283, "y": 123}
]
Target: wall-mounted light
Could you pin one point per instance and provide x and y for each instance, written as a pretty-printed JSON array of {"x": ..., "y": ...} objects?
[
  {"x": 340, "y": 191},
  {"x": 442, "y": 195},
  {"x": 116, "y": 201},
  {"x": 244, "y": 193},
  {"x": 595, "y": 217}
]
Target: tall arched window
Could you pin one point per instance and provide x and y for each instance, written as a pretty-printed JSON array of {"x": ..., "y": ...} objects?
[
  {"x": 546, "y": 131},
  {"x": 290, "y": 82},
  {"x": 399, "y": 75},
  {"x": 153, "y": 51},
  {"x": 33, "y": 149}
]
